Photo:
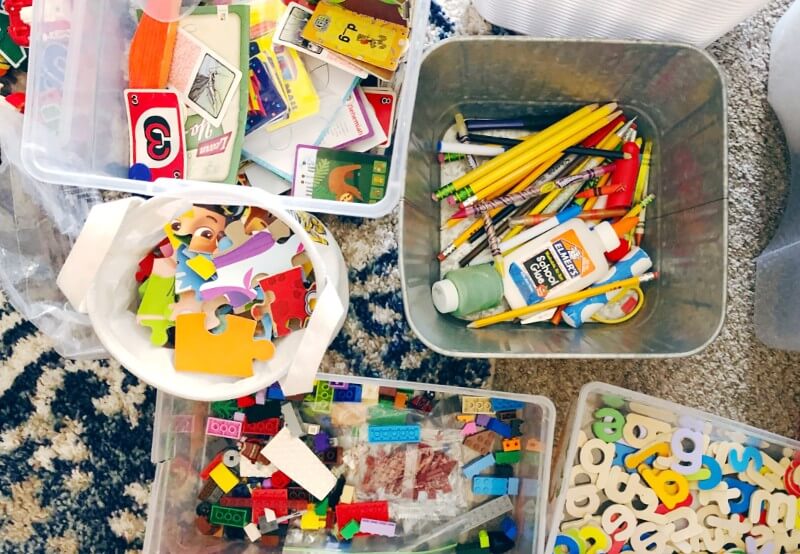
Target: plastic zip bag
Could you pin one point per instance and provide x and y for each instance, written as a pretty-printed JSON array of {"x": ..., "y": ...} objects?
[{"x": 39, "y": 222}]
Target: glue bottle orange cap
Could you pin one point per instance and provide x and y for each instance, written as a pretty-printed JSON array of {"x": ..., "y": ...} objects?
[{"x": 625, "y": 225}]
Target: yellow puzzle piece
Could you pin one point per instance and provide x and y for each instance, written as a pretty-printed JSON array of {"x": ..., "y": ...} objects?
[{"x": 229, "y": 353}]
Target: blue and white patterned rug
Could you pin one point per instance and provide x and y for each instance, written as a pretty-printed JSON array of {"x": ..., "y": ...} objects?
[{"x": 75, "y": 437}]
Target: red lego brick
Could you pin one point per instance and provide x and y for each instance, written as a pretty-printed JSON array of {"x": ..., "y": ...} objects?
[
  {"x": 268, "y": 427},
  {"x": 211, "y": 465},
  {"x": 245, "y": 401},
  {"x": 360, "y": 510},
  {"x": 235, "y": 502},
  {"x": 280, "y": 480},
  {"x": 274, "y": 499}
]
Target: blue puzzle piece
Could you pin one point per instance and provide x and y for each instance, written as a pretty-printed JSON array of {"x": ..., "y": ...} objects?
[
  {"x": 379, "y": 434},
  {"x": 492, "y": 486}
]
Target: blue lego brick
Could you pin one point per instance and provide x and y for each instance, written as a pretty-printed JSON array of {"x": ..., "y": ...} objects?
[
  {"x": 274, "y": 392},
  {"x": 351, "y": 394},
  {"x": 509, "y": 528},
  {"x": 502, "y": 404},
  {"x": 499, "y": 427},
  {"x": 478, "y": 464},
  {"x": 393, "y": 433},
  {"x": 513, "y": 486},
  {"x": 493, "y": 486}
]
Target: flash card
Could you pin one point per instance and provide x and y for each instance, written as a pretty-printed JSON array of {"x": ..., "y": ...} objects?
[
  {"x": 205, "y": 81},
  {"x": 156, "y": 132},
  {"x": 383, "y": 100}
]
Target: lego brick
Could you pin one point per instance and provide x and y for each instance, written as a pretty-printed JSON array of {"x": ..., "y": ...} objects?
[
  {"x": 236, "y": 502},
  {"x": 267, "y": 427},
  {"x": 512, "y": 457},
  {"x": 274, "y": 499},
  {"x": 209, "y": 489},
  {"x": 245, "y": 401},
  {"x": 501, "y": 404},
  {"x": 379, "y": 434},
  {"x": 476, "y": 405},
  {"x": 323, "y": 396},
  {"x": 503, "y": 470},
  {"x": 298, "y": 498},
  {"x": 510, "y": 445},
  {"x": 493, "y": 486},
  {"x": 223, "y": 428},
  {"x": 350, "y": 529},
  {"x": 378, "y": 510},
  {"x": 375, "y": 527},
  {"x": 310, "y": 521},
  {"x": 232, "y": 517},
  {"x": 516, "y": 427},
  {"x": 347, "y": 494},
  {"x": 513, "y": 486},
  {"x": 482, "y": 420},
  {"x": 274, "y": 392},
  {"x": 280, "y": 480},
  {"x": 266, "y": 526},
  {"x": 252, "y": 532},
  {"x": 331, "y": 457},
  {"x": 477, "y": 465},
  {"x": 321, "y": 508},
  {"x": 211, "y": 465},
  {"x": 422, "y": 402},
  {"x": 500, "y": 427},
  {"x": 509, "y": 528},
  {"x": 335, "y": 385},
  {"x": 351, "y": 394},
  {"x": 466, "y": 522},
  {"x": 291, "y": 419},
  {"x": 268, "y": 410},
  {"x": 482, "y": 442},
  {"x": 387, "y": 392},
  {"x": 506, "y": 416},
  {"x": 231, "y": 458},
  {"x": 400, "y": 400},
  {"x": 224, "y": 478},
  {"x": 483, "y": 538},
  {"x": 535, "y": 445},
  {"x": 291, "y": 455}
]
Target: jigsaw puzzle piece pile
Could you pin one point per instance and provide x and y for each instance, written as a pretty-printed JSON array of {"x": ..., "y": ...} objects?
[
  {"x": 386, "y": 466},
  {"x": 222, "y": 285}
]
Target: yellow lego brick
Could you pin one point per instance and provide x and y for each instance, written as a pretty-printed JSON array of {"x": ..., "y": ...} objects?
[
  {"x": 224, "y": 478},
  {"x": 310, "y": 521}
]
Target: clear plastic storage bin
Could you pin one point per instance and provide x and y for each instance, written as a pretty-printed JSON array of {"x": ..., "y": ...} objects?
[
  {"x": 76, "y": 129},
  {"x": 677, "y": 93},
  {"x": 643, "y": 421},
  {"x": 181, "y": 450}
]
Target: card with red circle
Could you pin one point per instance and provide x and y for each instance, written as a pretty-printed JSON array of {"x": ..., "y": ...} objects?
[{"x": 155, "y": 128}]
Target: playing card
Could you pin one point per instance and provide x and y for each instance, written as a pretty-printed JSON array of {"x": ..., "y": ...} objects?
[
  {"x": 205, "y": 80},
  {"x": 384, "y": 101},
  {"x": 156, "y": 132}
]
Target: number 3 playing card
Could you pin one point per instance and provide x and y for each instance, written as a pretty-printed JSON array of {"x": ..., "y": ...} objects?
[{"x": 156, "y": 132}]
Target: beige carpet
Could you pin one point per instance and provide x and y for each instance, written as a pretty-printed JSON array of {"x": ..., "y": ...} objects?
[{"x": 737, "y": 376}]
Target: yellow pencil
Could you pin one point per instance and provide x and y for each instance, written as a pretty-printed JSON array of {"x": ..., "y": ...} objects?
[
  {"x": 565, "y": 138},
  {"x": 502, "y": 159},
  {"x": 561, "y": 300}
]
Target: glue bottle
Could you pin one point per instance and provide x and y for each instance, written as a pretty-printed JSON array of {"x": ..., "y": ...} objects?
[
  {"x": 468, "y": 290},
  {"x": 566, "y": 259}
]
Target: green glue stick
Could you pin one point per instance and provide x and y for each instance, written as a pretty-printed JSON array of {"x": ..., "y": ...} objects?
[{"x": 468, "y": 290}]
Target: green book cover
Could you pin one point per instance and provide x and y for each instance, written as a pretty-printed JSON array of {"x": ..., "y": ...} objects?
[{"x": 328, "y": 174}]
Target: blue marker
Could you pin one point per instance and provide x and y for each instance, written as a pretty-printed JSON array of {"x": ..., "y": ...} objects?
[{"x": 635, "y": 263}]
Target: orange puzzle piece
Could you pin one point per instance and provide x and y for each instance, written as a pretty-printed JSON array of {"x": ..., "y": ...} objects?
[{"x": 229, "y": 353}]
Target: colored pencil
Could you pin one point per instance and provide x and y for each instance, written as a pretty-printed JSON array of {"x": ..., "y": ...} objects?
[
  {"x": 508, "y": 142},
  {"x": 499, "y": 161},
  {"x": 561, "y": 300},
  {"x": 528, "y": 220},
  {"x": 644, "y": 174}
]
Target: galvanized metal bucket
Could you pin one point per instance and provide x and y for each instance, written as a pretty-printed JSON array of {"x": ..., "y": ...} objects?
[{"x": 679, "y": 96}]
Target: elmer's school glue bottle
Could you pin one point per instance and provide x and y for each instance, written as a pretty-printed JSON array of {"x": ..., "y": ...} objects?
[{"x": 566, "y": 259}]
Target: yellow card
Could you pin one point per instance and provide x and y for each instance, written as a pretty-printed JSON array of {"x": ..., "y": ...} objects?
[
  {"x": 357, "y": 36},
  {"x": 283, "y": 63}
]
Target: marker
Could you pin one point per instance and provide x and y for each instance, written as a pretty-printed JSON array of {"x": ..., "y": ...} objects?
[
  {"x": 535, "y": 231},
  {"x": 635, "y": 263},
  {"x": 566, "y": 299}
]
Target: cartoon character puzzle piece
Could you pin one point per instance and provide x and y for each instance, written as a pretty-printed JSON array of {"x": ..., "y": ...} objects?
[
  {"x": 286, "y": 300},
  {"x": 230, "y": 353},
  {"x": 155, "y": 309},
  {"x": 237, "y": 268},
  {"x": 338, "y": 185}
]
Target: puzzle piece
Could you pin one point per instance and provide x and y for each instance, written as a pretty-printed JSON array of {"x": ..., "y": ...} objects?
[
  {"x": 286, "y": 293},
  {"x": 213, "y": 309},
  {"x": 187, "y": 304},
  {"x": 185, "y": 278},
  {"x": 235, "y": 236},
  {"x": 203, "y": 266},
  {"x": 237, "y": 268},
  {"x": 159, "y": 294},
  {"x": 230, "y": 353}
]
